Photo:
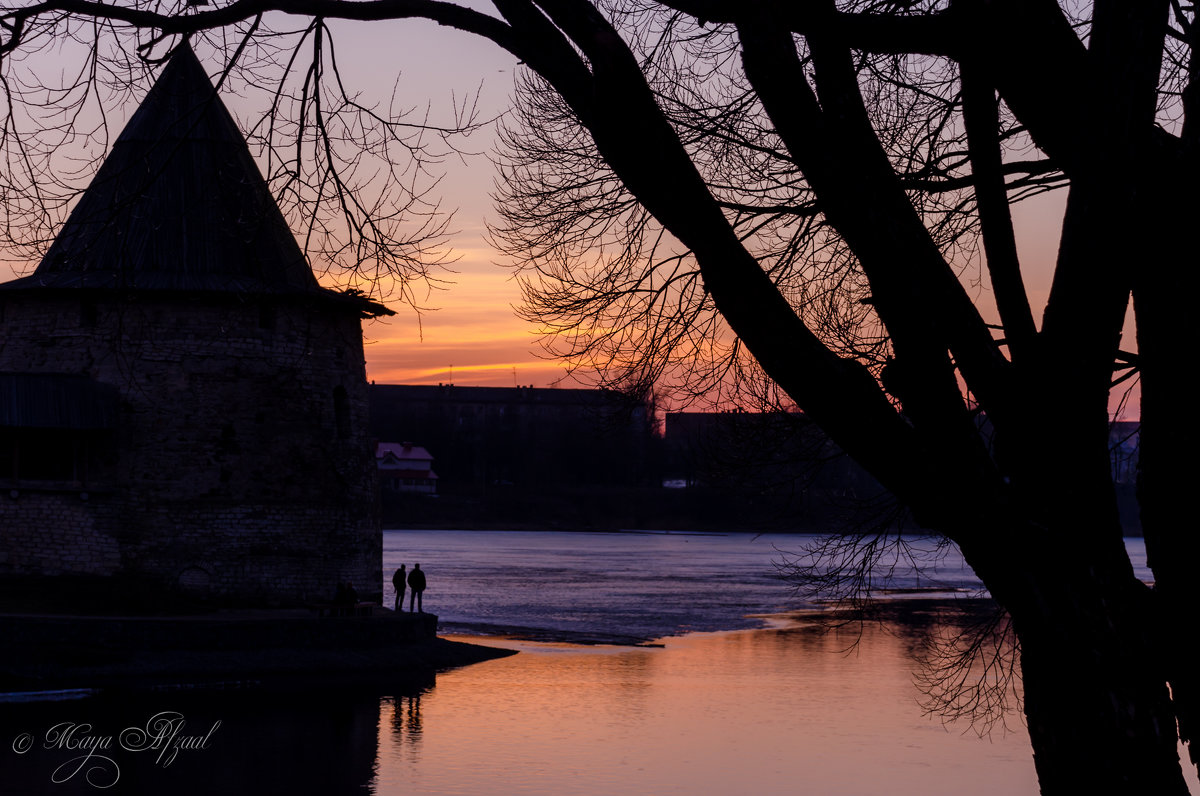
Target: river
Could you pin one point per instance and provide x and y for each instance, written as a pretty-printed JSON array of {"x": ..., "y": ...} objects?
[{"x": 702, "y": 673}]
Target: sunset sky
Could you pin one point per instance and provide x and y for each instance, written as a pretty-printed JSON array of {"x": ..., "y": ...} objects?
[
  {"x": 467, "y": 332},
  {"x": 473, "y": 329}
]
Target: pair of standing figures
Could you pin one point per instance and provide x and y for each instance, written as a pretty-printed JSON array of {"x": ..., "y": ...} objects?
[{"x": 416, "y": 582}]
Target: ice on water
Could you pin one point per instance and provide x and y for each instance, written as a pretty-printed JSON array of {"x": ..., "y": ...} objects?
[{"x": 636, "y": 586}]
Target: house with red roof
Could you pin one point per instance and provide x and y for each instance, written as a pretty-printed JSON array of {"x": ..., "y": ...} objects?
[{"x": 404, "y": 467}]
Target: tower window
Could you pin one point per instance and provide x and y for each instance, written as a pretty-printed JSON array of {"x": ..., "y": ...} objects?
[{"x": 341, "y": 412}]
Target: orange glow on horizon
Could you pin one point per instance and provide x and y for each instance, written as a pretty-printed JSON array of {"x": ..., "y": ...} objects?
[{"x": 464, "y": 332}]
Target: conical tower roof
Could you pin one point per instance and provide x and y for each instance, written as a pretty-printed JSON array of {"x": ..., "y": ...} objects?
[{"x": 179, "y": 205}]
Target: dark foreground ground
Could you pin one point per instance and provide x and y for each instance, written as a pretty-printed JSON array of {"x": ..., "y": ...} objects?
[{"x": 43, "y": 652}]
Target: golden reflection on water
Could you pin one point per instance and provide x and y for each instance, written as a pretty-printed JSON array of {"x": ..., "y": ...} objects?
[{"x": 766, "y": 712}]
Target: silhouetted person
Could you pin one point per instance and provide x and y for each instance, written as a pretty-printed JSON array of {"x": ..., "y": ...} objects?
[
  {"x": 398, "y": 585},
  {"x": 416, "y": 582}
]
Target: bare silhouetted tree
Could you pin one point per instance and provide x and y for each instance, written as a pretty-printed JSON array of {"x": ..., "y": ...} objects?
[{"x": 694, "y": 186}]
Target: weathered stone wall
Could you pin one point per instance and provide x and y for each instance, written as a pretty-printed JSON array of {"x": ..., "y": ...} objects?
[
  {"x": 55, "y": 533},
  {"x": 241, "y": 465}
]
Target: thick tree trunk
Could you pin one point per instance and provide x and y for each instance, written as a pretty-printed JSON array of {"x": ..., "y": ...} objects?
[
  {"x": 1166, "y": 492},
  {"x": 1092, "y": 653},
  {"x": 1096, "y": 702},
  {"x": 1164, "y": 306}
]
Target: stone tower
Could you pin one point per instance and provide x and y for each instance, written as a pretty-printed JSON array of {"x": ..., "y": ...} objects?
[{"x": 180, "y": 400}]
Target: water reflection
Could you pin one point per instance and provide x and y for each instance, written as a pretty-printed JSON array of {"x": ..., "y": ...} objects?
[
  {"x": 304, "y": 740},
  {"x": 802, "y": 709},
  {"x": 403, "y": 715},
  {"x": 798, "y": 709}
]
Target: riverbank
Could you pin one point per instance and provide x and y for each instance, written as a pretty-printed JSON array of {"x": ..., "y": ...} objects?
[{"x": 244, "y": 648}]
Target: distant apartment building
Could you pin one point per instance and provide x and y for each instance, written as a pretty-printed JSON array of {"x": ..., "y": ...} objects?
[
  {"x": 1123, "y": 438},
  {"x": 758, "y": 452},
  {"x": 497, "y": 437}
]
